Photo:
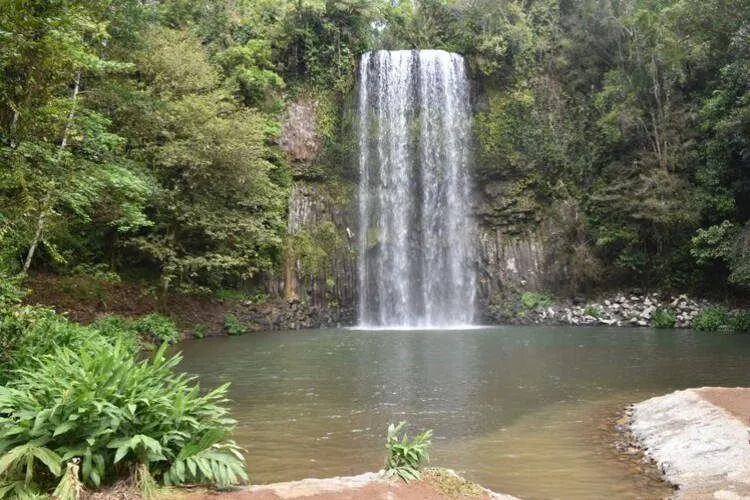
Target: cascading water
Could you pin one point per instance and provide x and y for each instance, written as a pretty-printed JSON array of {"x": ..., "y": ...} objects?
[{"x": 416, "y": 231}]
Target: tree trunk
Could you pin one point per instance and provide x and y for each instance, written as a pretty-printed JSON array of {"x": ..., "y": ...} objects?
[{"x": 46, "y": 205}]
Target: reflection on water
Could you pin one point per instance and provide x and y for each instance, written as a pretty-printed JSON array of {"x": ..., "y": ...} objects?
[{"x": 517, "y": 409}]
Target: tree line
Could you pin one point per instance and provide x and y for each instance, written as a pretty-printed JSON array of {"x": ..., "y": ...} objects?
[{"x": 144, "y": 135}]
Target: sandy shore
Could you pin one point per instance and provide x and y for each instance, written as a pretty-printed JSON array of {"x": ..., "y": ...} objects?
[{"x": 699, "y": 438}]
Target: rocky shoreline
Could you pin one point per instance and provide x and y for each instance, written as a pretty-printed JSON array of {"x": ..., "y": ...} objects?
[
  {"x": 618, "y": 309},
  {"x": 697, "y": 438}
]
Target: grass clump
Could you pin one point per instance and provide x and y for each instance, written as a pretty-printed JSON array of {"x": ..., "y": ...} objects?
[
  {"x": 711, "y": 319},
  {"x": 739, "y": 321},
  {"x": 233, "y": 326},
  {"x": 663, "y": 318},
  {"x": 451, "y": 484},
  {"x": 535, "y": 300},
  {"x": 593, "y": 311},
  {"x": 406, "y": 456}
]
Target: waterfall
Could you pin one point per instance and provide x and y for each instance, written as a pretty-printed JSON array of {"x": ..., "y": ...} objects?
[{"x": 416, "y": 237}]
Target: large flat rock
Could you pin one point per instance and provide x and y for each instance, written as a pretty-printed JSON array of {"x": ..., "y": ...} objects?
[
  {"x": 369, "y": 486},
  {"x": 699, "y": 439}
]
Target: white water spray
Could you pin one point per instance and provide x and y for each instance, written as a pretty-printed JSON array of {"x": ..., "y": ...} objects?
[{"x": 416, "y": 237}]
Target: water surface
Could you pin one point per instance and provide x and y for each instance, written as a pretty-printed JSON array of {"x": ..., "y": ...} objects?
[{"x": 521, "y": 410}]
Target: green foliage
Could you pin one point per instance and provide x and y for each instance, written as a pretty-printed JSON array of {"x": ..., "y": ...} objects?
[
  {"x": 220, "y": 208},
  {"x": 199, "y": 331},
  {"x": 535, "y": 300},
  {"x": 233, "y": 326},
  {"x": 157, "y": 328},
  {"x": 27, "y": 333},
  {"x": 739, "y": 321},
  {"x": 593, "y": 311},
  {"x": 663, "y": 318},
  {"x": 101, "y": 272},
  {"x": 406, "y": 456},
  {"x": 11, "y": 290},
  {"x": 102, "y": 406},
  {"x": 152, "y": 328},
  {"x": 711, "y": 319},
  {"x": 165, "y": 155}
]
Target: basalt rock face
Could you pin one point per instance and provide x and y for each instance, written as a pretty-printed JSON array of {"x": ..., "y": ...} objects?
[
  {"x": 320, "y": 264},
  {"x": 320, "y": 254},
  {"x": 508, "y": 262}
]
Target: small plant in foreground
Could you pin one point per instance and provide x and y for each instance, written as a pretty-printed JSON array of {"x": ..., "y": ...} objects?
[
  {"x": 406, "y": 456},
  {"x": 663, "y": 318},
  {"x": 116, "y": 415}
]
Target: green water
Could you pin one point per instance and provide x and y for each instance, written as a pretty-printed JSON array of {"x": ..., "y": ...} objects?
[{"x": 521, "y": 410}]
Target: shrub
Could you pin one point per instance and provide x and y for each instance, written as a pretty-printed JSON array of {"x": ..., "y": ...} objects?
[
  {"x": 233, "y": 326},
  {"x": 739, "y": 321},
  {"x": 663, "y": 318},
  {"x": 100, "y": 407},
  {"x": 100, "y": 272},
  {"x": 11, "y": 290},
  {"x": 199, "y": 331},
  {"x": 593, "y": 311},
  {"x": 29, "y": 332},
  {"x": 151, "y": 328},
  {"x": 711, "y": 319},
  {"x": 157, "y": 328},
  {"x": 533, "y": 300},
  {"x": 406, "y": 456}
]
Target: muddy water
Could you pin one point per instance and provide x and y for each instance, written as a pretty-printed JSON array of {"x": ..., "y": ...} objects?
[{"x": 525, "y": 411}]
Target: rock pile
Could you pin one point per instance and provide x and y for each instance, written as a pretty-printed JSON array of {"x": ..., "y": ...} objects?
[
  {"x": 618, "y": 310},
  {"x": 290, "y": 315}
]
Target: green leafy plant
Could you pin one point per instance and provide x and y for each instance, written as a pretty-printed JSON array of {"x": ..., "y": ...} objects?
[
  {"x": 233, "y": 326},
  {"x": 97, "y": 271},
  {"x": 11, "y": 289},
  {"x": 117, "y": 416},
  {"x": 199, "y": 331},
  {"x": 534, "y": 300},
  {"x": 739, "y": 321},
  {"x": 28, "y": 332},
  {"x": 663, "y": 318},
  {"x": 711, "y": 319},
  {"x": 157, "y": 328},
  {"x": 593, "y": 311},
  {"x": 406, "y": 456}
]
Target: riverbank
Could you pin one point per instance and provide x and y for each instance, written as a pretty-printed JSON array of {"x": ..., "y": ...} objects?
[
  {"x": 86, "y": 298},
  {"x": 436, "y": 484},
  {"x": 699, "y": 439},
  {"x": 655, "y": 309}
]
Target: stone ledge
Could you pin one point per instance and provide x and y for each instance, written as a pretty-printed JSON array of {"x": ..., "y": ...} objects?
[{"x": 700, "y": 447}]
